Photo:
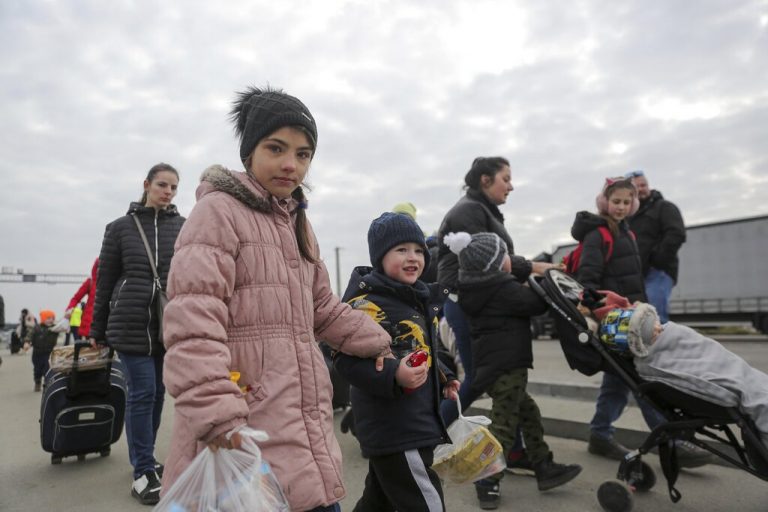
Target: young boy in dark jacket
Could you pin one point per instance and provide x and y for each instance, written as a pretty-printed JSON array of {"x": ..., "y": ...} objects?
[
  {"x": 499, "y": 308},
  {"x": 42, "y": 340},
  {"x": 396, "y": 411}
]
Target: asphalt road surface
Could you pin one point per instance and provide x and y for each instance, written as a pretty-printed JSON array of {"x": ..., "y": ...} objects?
[{"x": 29, "y": 483}]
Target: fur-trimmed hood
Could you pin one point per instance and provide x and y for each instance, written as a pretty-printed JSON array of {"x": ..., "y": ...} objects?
[{"x": 241, "y": 186}]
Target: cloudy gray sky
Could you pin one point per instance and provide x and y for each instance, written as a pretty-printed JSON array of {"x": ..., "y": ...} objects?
[{"x": 405, "y": 94}]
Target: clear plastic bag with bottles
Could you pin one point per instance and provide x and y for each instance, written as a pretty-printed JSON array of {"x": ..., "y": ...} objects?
[{"x": 227, "y": 481}]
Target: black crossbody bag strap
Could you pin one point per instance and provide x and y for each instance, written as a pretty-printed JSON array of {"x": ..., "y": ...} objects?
[{"x": 149, "y": 251}]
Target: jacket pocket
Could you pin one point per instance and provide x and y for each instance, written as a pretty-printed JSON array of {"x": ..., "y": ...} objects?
[{"x": 116, "y": 294}]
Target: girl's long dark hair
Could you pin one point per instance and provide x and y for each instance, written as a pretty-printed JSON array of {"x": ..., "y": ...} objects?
[
  {"x": 151, "y": 176},
  {"x": 306, "y": 247},
  {"x": 483, "y": 166}
]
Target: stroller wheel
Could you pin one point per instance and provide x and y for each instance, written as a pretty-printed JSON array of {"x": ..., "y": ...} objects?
[
  {"x": 614, "y": 496},
  {"x": 645, "y": 480}
]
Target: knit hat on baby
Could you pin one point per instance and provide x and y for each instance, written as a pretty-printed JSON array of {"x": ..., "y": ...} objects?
[
  {"x": 391, "y": 229},
  {"x": 629, "y": 332},
  {"x": 481, "y": 251}
]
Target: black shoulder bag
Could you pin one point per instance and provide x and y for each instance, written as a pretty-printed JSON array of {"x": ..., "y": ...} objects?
[{"x": 162, "y": 298}]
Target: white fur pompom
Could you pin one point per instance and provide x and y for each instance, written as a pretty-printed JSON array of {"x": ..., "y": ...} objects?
[{"x": 456, "y": 242}]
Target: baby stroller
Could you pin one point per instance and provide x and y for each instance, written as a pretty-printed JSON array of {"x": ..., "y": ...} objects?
[{"x": 688, "y": 418}]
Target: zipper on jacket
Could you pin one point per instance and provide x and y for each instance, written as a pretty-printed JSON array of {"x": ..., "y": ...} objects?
[
  {"x": 154, "y": 286},
  {"x": 119, "y": 291}
]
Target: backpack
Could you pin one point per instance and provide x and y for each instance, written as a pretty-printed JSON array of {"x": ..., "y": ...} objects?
[{"x": 573, "y": 258}]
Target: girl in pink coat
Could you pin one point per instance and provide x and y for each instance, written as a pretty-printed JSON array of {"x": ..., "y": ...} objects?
[{"x": 250, "y": 294}]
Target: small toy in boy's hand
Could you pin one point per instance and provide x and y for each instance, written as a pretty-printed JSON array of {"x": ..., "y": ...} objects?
[{"x": 416, "y": 358}]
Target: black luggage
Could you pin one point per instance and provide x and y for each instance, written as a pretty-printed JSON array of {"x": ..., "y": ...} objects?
[
  {"x": 16, "y": 342},
  {"x": 82, "y": 410}
]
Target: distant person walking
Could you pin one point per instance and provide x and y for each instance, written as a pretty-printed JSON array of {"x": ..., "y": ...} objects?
[
  {"x": 75, "y": 319},
  {"x": 42, "y": 339},
  {"x": 87, "y": 288},
  {"x": 660, "y": 232},
  {"x": 124, "y": 315},
  {"x": 26, "y": 322}
]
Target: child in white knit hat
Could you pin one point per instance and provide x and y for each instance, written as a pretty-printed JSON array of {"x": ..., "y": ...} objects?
[{"x": 498, "y": 308}]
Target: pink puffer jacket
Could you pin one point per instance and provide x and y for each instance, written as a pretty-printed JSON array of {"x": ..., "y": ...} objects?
[{"x": 243, "y": 299}]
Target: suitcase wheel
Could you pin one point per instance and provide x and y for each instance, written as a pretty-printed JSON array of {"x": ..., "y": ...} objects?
[
  {"x": 105, "y": 452},
  {"x": 55, "y": 459},
  {"x": 81, "y": 456}
]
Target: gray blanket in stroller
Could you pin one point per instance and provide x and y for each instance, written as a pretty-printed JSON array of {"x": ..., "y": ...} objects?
[{"x": 685, "y": 360}]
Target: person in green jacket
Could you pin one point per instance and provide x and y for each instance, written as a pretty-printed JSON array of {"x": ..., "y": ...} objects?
[{"x": 75, "y": 318}]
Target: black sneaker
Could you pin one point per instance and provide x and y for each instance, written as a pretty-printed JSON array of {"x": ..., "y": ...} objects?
[
  {"x": 146, "y": 488},
  {"x": 550, "y": 474},
  {"x": 691, "y": 456},
  {"x": 488, "y": 494},
  {"x": 606, "y": 447},
  {"x": 159, "y": 468},
  {"x": 521, "y": 465}
]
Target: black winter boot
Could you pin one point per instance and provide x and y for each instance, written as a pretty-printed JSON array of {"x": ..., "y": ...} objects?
[
  {"x": 550, "y": 474},
  {"x": 488, "y": 495}
]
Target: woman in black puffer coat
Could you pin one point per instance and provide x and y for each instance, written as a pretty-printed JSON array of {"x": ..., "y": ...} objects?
[{"x": 124, "y": 315}]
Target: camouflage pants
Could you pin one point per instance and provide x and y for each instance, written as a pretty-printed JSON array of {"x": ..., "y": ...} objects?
[{"x": 513, "y": 406}]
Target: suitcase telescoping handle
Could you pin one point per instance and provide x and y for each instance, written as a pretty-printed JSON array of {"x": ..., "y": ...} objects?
[{"x": 73, "y": 388}]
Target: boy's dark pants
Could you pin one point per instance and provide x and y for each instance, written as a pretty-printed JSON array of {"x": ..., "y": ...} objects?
[
  {"x": 513, "y": 406},
  {"x": 40, "y": 363},
  {"x": 403, "y": 481}
]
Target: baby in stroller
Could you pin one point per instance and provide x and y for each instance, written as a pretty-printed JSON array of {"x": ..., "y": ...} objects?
[{"x": 678, "y": 356}]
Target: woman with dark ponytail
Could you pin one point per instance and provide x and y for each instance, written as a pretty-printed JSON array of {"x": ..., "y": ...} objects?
[
  {"x": 125, "y": 315},
  {"x": 249, "y": 297},
  {"x": 487, "y": 183}
]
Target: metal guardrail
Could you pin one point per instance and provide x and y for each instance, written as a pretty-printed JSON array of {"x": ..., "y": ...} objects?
[
  {"x": 43, "y": 278},
  {"x": 731, "y": 305}
]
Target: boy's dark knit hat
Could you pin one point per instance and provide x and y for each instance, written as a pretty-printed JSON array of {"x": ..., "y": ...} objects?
[
  {"x": 260, "y": 112},
  {"x": 391, "y": 229},
  {"x": 481, "y": 251}
]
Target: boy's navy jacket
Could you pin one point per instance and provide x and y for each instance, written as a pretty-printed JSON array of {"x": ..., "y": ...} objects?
[
  {"x": 388, "y": 420},
  {"x": 499, "y": 308},
  {"x": 622, "y": 273}
]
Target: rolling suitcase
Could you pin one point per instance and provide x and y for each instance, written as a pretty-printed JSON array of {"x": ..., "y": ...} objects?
[{"x": 82, "y": 411}]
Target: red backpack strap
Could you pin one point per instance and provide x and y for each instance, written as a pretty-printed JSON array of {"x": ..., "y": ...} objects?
[{"x": 608, "y": 240}]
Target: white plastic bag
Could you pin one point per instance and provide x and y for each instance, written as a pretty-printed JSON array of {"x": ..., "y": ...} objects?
[
  {"x": 474, "y": 454},
  {"x": 62, "y": 325},
  {"x": 227, "y": 481}
]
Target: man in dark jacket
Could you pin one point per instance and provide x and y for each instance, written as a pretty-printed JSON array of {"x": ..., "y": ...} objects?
[{"x": 660, "y": 233}]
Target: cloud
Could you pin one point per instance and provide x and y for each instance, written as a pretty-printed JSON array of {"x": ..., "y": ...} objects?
[{"x": 406, "y": 95}]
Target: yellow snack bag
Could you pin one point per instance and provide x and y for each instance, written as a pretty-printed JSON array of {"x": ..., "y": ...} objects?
[{"x": 474, "y": 453}]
